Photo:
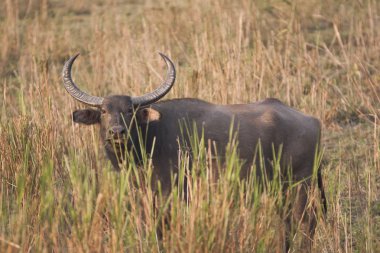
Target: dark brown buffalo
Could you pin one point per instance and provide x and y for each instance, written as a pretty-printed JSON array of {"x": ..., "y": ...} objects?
[{"x": 270, "y": 121}]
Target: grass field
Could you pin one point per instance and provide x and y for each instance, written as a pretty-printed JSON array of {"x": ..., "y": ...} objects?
[{"x": 58, "y": 192}]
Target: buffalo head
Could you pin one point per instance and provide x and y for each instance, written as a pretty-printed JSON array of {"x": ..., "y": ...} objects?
[{"x": 116, "y": 114}]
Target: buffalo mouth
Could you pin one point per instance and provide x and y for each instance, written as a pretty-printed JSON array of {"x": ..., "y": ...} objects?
[
  {"x": 117, "y": 142},
  {"x": 118, "y": 147}
]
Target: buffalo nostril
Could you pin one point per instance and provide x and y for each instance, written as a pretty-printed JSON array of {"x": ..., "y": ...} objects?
[{"x": 117, "y": 131}]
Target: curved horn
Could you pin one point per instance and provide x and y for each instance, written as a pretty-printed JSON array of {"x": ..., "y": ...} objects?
[
  {"x": 160, "y": 91},
  {"x": 73, "y": 89}
]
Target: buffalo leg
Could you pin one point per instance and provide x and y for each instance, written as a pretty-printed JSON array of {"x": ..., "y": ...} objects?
[{"x": 301, "y": 221}]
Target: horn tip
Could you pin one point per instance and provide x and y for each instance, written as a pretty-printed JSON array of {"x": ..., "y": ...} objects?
[
  {"x": 75, "y": 56},
  {"x": 166, "y": 59},
  {"x": 163, "y": 55}
]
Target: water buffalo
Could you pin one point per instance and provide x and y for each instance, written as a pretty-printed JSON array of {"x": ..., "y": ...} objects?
[{"x": 270, "y": 121}]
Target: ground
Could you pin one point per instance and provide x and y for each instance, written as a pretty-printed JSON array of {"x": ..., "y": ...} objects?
[{"x": 58, "y": 192}]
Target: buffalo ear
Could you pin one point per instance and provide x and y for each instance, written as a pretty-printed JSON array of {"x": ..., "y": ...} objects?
[
  {"x": 86, "y": 116},
  {"x": 147, "y": 115}
]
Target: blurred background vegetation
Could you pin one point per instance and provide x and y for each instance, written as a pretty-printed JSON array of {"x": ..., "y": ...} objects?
[{"x": 57, "y": 190}]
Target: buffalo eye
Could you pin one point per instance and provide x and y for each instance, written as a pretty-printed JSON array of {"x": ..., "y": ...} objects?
[{"x": 102, "y": 111}]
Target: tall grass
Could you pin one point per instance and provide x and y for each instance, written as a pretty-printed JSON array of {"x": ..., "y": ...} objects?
[{"x": 58, "y": 192}]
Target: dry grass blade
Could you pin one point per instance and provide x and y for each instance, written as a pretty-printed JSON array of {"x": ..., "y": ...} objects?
[{"x": 57, "y": 190}]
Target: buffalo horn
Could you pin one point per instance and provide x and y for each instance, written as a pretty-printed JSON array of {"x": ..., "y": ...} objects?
[
  {"x": 73, "y": 89},
  {"x": 160, "y": 91}
]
